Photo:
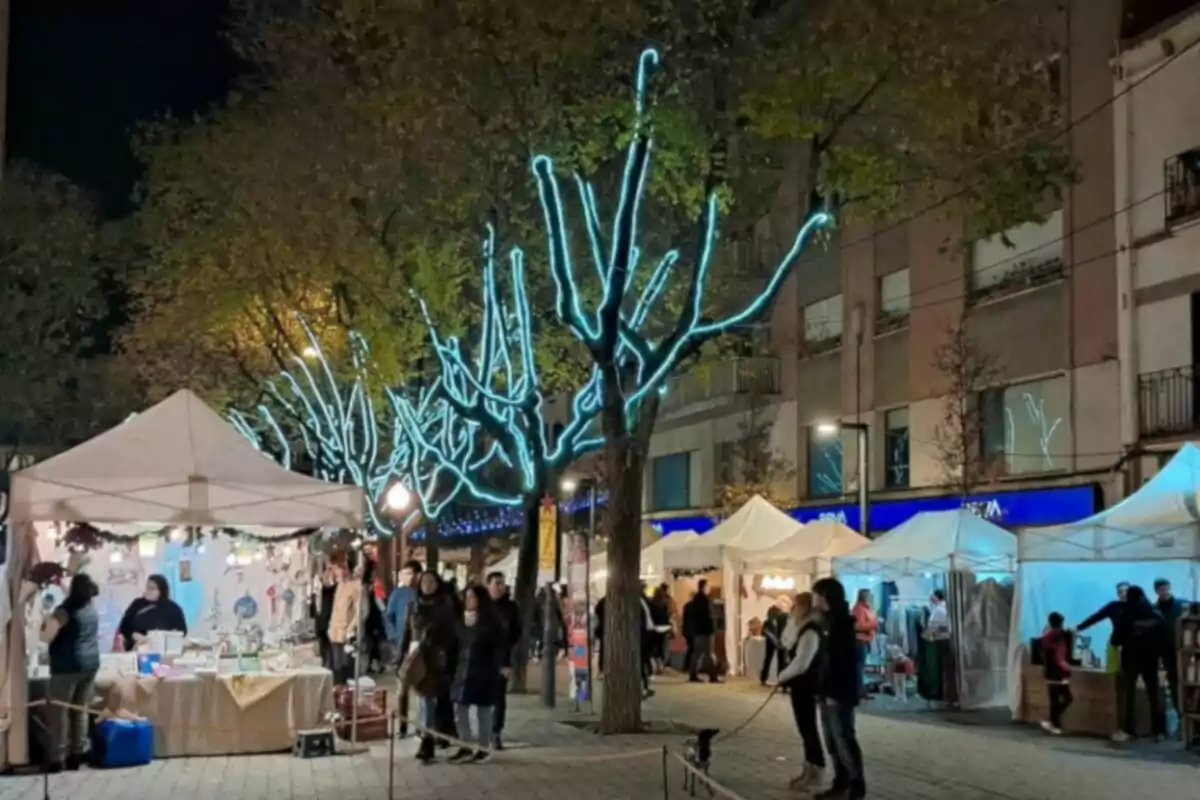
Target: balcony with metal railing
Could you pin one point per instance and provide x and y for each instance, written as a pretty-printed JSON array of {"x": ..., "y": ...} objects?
[
  {"x": 1167, "y": 402},
  {"x": 709, "y": 382}
]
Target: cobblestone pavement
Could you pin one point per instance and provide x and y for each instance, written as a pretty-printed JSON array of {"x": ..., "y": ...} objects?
[{"x": 910, "y": 755}]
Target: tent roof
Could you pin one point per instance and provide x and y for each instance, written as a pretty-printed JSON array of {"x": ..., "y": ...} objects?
[
  {"x": 755, "y": 526},
  {"x": 653, "y": 555},
  {"x": 810, "y": 548},
  {"x": 178, "y": 463},
  {"x": 1158, "y": 522},
  {"x": 935, "y": 541}
]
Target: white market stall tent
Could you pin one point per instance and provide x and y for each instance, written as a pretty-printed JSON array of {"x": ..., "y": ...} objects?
[
  {"x": 176, "y": 464},
  {"x": 653, "y": 560},
  {"x": 754, "y": 527},
  {"x": 973, "y": 561},
  {"x": 771, "y": 577},
  {"x": 1074, "y": 569}
]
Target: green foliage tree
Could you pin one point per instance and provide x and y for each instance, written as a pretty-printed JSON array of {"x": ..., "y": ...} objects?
[{"x": 57, "y": 263}]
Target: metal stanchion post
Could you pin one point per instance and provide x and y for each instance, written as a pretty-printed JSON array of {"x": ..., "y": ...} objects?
[
  {"x": 392, "y": 755},
  {"x": 666, "y": 781},
  {"x": 358, "y": 642}
]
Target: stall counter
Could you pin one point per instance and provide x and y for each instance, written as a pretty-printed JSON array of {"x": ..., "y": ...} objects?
[
  {"x": 1096, "y": 707},
  {"x": 207, "y": 714}
]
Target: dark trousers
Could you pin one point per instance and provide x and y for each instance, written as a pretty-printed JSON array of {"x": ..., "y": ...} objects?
[
  {"x": 702, "y": 659},
  {"x": 863, "y": 649},
  {"x": 804, "y": 709},
  {"x": 500, "y": 709},
  {"x": 842, "y": 740},
  {"x": 1060, "y": 701},
  {"x": 773, "y": 652},
  {"x": 1171, "y": 667},
  {"x": 444, "y": 715},
  {"x": 403, "y": 710},
  {"x": 1133, "y": 666},
  {"x": 689, "y": 643}
]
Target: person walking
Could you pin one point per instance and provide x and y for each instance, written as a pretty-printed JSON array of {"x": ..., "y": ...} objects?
[
  {"x": 866, "y": 626},
  {"x": 510, "y": 617},
  {"x": 343, "y": 623},
  {"x": 395, "y": 620},
  {"x": 646, "y": 644},
  {"x": 481, "y": 640},
  {"x": 1141, "y": 636},
  {"x": 1170, "y": 608},
  {"x": 1057, "y": 671},
  {"x": 599, "y": 637},
  {"x": 73, "y": 635},
  {"x": 803, "y": 676},
  {"x": 430, "y": 640},
  {"x": 698, "y": 619},
  {"x": 839, "y": 692},
  {"x": 772, "y": 631}
]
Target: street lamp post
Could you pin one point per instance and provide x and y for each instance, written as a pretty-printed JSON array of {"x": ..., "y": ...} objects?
[
  {"x": 549, "y": 618},
  {"x": 864, "y": 466}
]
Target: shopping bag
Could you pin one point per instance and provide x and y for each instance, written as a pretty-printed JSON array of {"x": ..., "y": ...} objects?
[{"x": 1112, "y": 659}]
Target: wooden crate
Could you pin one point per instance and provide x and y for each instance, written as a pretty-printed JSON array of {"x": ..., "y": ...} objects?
[{"x": 370, "y": 729}]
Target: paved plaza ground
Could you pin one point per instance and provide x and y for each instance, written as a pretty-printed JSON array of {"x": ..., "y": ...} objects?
[{"x": 910, "y": 755}]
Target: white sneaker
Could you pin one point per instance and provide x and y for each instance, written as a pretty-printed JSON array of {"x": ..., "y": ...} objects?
[
  {"x": 1049, "y": 728},
  {"x": 1121, "y": 736}
]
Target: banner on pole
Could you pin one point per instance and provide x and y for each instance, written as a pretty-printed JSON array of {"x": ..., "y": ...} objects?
[
  {"x": 547, "y": 530},
  {"x": 579, "y": 622}
]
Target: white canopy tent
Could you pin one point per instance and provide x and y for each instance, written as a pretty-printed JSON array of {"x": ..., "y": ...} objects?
[
  {"x": 977, "y": 560},
  {"x": 178, "y": 463},
  {"x": 934, "y": 541},
  {"x": 755, "y": 526},
  {"x": 809, "y": 551},
  {"x": 654, "y": 556},
  {"x": 1073, "y": 569}
]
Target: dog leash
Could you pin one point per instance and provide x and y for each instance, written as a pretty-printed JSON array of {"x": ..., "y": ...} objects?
[{"x": 750, "y": 719}]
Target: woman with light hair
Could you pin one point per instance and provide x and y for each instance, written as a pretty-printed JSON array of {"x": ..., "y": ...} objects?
[{"x": 802, "y": 639}]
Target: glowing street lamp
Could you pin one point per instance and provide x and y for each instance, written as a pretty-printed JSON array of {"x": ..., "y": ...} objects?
[
  {"x": 829, "y": 429},
  {"x": 397, "y": 497}
]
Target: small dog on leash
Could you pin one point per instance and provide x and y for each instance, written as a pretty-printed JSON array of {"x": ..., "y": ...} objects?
[{"x": 698, "y": 755}]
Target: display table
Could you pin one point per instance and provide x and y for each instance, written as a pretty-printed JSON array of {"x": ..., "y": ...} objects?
[
  {"x": 207, "y": 715},
  {"x": 1096, "y": 710}
]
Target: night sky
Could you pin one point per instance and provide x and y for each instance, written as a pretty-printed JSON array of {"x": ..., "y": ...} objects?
[{"x": 83, "y": 73}]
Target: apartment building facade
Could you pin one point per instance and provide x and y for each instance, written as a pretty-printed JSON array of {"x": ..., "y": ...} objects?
[
  {"x": 856, "y": 333},
  {"x": 1157, "y": 231}
]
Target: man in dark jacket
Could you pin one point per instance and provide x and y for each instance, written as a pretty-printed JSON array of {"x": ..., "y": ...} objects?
[
  {"x": 698, "y": 623},
  {"x": 510, "y": 619},
  {"x": 1170, "y": 608},
  {"x": 840, "y": 691}
]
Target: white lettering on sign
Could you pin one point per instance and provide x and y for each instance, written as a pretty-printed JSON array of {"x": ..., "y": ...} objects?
[
  {"x": 988, "y": 509},
  {"x": 778, "y": 583},
  {"x": 833, "y": 516}
]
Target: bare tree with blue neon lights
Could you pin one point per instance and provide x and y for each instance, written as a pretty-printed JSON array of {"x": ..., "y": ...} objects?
[
  {"x": 630, "y": 364},
  {"x": 492, "y": 390},
  {"x": 335, "y": 423}
]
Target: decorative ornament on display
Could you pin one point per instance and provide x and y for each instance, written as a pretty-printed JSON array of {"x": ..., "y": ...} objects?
[
  {"x": 289, "y": 602},
  {"x": 271, "y": 599},
  {"x": 245, "y": 607}
]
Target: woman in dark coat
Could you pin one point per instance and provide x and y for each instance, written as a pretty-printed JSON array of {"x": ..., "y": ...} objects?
[
  {"x": 481, "y": 643},
  {"x": 431, "y": 628},
  {"x": 153, "y": 611}
]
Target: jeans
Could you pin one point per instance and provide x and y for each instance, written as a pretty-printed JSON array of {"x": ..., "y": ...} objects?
[
  {"x": 1060, "y": 700},
  {"x": 69, "y": 726},
  {"x": 842, "y": 741},
  {"x": 864, "y": 648},
  {"x": 1133, "y": 666},
  {"x": 427, "y": 714},
  {"x": 483, "y": 719},
  {"x": 804, "y": 709}
]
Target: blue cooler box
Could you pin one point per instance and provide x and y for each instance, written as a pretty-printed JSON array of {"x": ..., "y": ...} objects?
[{"x": 125, "y": 743}]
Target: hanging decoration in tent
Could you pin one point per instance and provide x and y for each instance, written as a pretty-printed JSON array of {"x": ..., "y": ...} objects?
[{"x": 82, "y": 537}]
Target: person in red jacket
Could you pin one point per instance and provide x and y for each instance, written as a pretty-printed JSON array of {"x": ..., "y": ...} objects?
[{"x": 1056, "y": 644}]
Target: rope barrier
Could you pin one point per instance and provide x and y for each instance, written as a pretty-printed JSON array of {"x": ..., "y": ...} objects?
[{"x": 701, "y": 775}]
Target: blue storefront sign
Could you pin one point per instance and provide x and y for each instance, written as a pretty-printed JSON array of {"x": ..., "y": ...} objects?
[{"x": 1023, "y": 508}]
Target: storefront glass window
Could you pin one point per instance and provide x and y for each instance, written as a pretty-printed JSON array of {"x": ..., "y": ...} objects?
[
  {"x": 825, "y": 453},
  {"x": 895, "y": 448}
]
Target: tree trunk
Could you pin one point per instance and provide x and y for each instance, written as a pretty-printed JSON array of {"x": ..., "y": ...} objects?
[
  {"x": 431, "y": 546},
  {"x": 526, "y": 586},
  {"x": 621, "y": 711}
]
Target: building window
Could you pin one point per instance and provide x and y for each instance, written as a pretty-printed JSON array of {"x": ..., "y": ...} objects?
[
  {"x": 895, "y": 448},
  {"x": 671, "y": 482},
  {"x": 1019, "y": 258},
  {"x": 1181, "y": 182},
  {"x": 1025, "y": 428},
  {"x": 894, "y": 300},
  {"x": 823, "y": 324},
  {"x": 825, "y": 455}
]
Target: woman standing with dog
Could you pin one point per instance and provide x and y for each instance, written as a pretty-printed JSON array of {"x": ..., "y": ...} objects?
[
  {"x": 803, "y": 677},
  {"x": 430, "y": 642},
  {"x": 839, "y": 691}
]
